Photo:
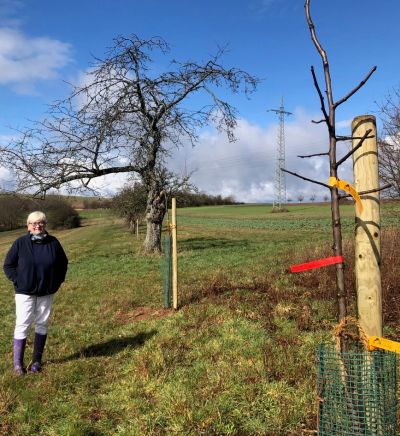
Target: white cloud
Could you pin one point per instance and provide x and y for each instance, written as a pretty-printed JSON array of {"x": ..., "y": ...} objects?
[
  {"x": 25, "y": 60},
  {"x": 4, "y": 173},
  {"x": 105, "y": 186},
  {"x": 111, "y": 184},
  {"x": 245, "y": 169},
  {"x": 344, "y": 124},
  {"x": 6, "y": 181}
]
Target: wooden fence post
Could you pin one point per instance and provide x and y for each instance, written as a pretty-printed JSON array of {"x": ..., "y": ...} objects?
[
  {"x": 367, "y": 235},
  {"x": 174, "y": 257}
]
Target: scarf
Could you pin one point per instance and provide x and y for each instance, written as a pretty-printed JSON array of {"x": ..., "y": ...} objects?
[{"x": 38, "y": 239}]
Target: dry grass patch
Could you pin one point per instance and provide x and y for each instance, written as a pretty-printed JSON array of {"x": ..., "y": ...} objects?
[{"x": 143, "y": 313}]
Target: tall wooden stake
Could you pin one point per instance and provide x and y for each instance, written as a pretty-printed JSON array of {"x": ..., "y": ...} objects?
[
  {"x": 367, "y": 238},
  {"x": 174, "y": 258}
]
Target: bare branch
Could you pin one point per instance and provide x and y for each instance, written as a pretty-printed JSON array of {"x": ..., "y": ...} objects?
[
  {"x": 321, "y": 98},
  {"x": 387, "y": 186},
  {"x": 354, "y": 149},
  {"x": 306, "y": 178},
  {"x": 389, "y": 142},
  {"x": 350, "y": 138},
  {"x": 325, "y": 63},
  {"x": 313, "y": 155},
  {"x": 353, "y": 91},
  {"x": 311, "y": 26},
  {"x": 318, "y": 122}
]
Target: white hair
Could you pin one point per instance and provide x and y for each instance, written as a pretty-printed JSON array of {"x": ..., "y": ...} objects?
[{"x": 36, "y": 216}]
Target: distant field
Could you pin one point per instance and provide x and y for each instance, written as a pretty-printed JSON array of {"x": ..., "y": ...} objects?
[
  {"x": 237, "y": 358},
  {"x": 298, "y": 219}
]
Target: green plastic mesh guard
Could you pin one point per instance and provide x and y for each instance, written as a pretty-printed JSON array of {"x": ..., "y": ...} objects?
[
  {"x": 356, "y": 392},
  {"x": 166, "y": 270}
]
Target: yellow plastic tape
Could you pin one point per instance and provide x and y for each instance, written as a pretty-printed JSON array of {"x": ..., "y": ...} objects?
[
  {"x": 375, "y": 342},
  {"x": 345, "y": 186}
]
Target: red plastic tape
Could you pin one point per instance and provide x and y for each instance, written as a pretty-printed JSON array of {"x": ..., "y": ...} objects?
[{"x": 316, "y": 264}]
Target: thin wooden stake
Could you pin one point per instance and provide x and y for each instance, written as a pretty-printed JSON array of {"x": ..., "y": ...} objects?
[
  {"x": 174, "y": 257},
  {"x": 368, "y": 230},
  {"x": 137, "y": 229}
]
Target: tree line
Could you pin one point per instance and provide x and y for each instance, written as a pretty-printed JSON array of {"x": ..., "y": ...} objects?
[
  {"x": 131, "y": 201},
  {"x": 15, "y": 208}
]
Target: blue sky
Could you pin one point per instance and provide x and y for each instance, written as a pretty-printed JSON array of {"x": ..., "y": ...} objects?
[{"x": 44, "y": 44}]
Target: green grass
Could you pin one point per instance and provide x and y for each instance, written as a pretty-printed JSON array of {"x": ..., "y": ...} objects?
[{"x": 236, "y": 358}]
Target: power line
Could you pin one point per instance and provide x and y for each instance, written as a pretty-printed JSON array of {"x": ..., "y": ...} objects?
[
  {"x": 280, "y": 181},
  {"x": 247, "y": 161}
]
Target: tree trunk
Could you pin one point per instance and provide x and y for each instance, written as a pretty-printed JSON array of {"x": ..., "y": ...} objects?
[
  {"x": 155, "y": 212},
  {"x": 338, "y": 251},
  {"x": 152, "y": 243},
  {"x": 335, "y": 210}
]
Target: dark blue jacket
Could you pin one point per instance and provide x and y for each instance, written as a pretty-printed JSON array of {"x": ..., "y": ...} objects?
[{"x": 32, "y": 276}]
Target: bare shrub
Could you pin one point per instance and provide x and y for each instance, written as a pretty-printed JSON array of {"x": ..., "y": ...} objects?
[
  {"x": 130, "y": 204},
  {"x": 391, "y": 279},
  {"x": 97, "y": 203},
  {"x": 13, "y": 210},
  {"x": 321, "y": 282},
  {"x": 60, "y": 214}
]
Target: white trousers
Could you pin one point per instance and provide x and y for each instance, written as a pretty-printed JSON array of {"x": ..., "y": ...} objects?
[{"x": 29, "y": 309}]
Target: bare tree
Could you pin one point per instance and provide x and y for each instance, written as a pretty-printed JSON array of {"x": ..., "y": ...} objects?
[
  {"x": 126, "y": 118},
  {"x": 130, "y": 203},
  {"x": 329, "y": 118},
  {"x": 389, "y": 143}
]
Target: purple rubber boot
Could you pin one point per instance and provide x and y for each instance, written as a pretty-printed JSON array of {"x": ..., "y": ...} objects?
[
  {"x": 19, "y": 351},
  {"x": 38, "y": 348}
]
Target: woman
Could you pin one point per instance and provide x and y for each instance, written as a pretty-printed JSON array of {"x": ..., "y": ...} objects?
[{"x": 36, "y": 264}]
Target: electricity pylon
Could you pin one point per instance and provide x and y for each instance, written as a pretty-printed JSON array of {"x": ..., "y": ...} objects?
[{"x": 280, "y": 182}]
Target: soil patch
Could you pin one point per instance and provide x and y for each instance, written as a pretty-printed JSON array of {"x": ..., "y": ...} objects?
[{"x": 141, "y": 314}]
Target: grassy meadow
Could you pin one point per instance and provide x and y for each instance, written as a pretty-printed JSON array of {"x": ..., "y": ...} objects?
[{"x": 237, "y": 358}]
